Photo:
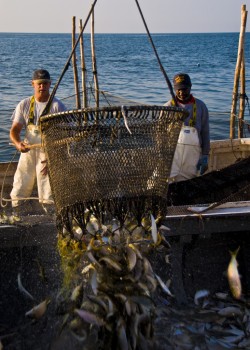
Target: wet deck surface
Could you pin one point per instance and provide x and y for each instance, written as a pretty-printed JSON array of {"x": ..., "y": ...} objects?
[{"x": 28, "y": 248}]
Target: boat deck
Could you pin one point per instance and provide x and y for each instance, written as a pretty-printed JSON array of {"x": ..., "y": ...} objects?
[{"x": 190, "y": 220}]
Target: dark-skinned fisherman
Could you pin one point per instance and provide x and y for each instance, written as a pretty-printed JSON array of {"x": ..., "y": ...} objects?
[{"x": 192, "y": 150}]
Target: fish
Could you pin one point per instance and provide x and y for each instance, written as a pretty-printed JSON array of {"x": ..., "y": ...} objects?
[
  {"x": 121, "y": 335},
  {"x": 131, "y": 257},
  {"x": 76, "y": 229},
  {"x": 89, "y": 317},
  {"x": 230, "y": 311},
  {"x": 39, "y": 310},
  {"x": 126, "y": 301},
  {"x": 163, "y": 285},
  {"x": 154, "y": 229},
  {"x": 233, "y": 275},
  {"x": 87, "y": 268},
  {"x": 200, "y": 294},
  {"x": 93, "y": 281},
  {"x": 93, "y": 225},
  {"x": 111, "y": 263},
  {"x": 21, "y": 287},
  {"x": 99, "y": 301},
  {"x": 77, "y": 293},
  {"x": 124, "y": 114}
]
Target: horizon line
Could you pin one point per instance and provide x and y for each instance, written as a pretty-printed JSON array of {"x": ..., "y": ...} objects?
[{"x": 126, "y": 33}]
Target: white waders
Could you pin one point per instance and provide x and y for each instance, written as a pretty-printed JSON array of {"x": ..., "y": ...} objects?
[
  {"x": 187, "y": 154},
  {"x": 29, "y": 169}
]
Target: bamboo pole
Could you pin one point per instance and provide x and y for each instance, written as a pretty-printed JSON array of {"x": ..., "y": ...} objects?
[
  {"x": 242, "y": 97},
  {"x": 237, "y": 71},
  {"x": 94, "y": 68},
  {"x": 83, "y": 68},
  {"x": 78, "y": 100},
  {"x": 66, "y": 66}
]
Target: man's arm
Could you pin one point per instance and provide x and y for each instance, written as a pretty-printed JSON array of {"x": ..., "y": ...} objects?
[{"x": 15, "y": 133}]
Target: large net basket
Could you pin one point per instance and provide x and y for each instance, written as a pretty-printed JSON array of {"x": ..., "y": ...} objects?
[{"x": 111, "y": 160}]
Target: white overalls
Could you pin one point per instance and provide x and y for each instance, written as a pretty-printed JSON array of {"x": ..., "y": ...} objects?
[
  {"x": 29, "y": 166},
  {"x": 187, "y": 152}
]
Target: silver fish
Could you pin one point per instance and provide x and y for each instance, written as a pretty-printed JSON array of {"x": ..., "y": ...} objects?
[
  {"x": 163, "y": 285},
  {"x": 21, "y": 287},
  {"x": 77, "y": 293},
  {"x": 131, "y": 257},
  {"x": 154, "y": 229},
  {"x": 89, "y": 317},
  {"x": 111, "y": 263},
  {"x": 200, "y": 294},
  {"x": 39, "y": 310},
  {"x": 122, "y": 336},
  {"x": 233, "y": 275}
]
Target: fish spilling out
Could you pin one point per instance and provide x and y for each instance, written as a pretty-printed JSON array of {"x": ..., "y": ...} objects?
[
  {"x": 38, "y": 310},
  {"x": 116, "y": 271},
  {"x": 233, "y": 275}
]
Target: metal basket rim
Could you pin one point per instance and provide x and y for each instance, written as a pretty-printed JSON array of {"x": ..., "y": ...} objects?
[{"x": 115, "y": 108}]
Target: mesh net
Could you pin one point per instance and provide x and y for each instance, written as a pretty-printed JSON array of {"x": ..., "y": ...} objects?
[
  {"x": 111, "y": 160},
  {"x": 105, "y": 98}
]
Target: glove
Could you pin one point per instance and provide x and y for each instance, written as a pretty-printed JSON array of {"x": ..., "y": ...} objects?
[{"x": 202, "y": 164}]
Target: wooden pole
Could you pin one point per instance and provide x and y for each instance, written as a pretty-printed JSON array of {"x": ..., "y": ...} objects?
[
  {"x": 94, "y": 68},
  {"x": 66, "y": 66},
  {"x": 78, "y": 100},
  {"x": 237, "y": 71},
  {"x": 84, "y": 71},
  {"x": 242, "y": 97}
]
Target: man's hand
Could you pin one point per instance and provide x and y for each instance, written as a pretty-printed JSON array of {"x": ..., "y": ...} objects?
[
  {"x": 202, "y": 164},
  {"x": 44, "y": 170},
  {"x": 22, "y": 147}
]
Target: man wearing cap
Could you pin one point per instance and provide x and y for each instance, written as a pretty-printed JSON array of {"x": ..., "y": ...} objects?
[
  {"x": 32, "y": 161},
  {"x": 192, "y": 150}
]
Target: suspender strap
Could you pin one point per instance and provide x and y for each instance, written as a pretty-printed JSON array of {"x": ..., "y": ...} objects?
[
  {"x": 32, "y": 110},
  {"x": 192, "y": 120}
]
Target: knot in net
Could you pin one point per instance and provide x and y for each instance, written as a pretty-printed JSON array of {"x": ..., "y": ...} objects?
[{"x": 110, "y": 161}]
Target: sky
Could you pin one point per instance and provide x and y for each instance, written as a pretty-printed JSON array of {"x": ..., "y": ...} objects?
[{"x": 122, "y": 16}]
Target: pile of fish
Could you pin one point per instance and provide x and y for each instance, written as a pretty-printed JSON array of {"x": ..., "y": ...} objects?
[
  {"x": 113, "y": 300},
  {"x": 210, "y": 322}
]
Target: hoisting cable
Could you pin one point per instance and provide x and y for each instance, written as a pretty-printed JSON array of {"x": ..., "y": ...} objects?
[
  {"x": 157, "y": 56},
  {"x": 47, "y": 107}
]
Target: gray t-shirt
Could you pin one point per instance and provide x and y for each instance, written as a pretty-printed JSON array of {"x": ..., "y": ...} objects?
[{"x": 22, "y": 111}]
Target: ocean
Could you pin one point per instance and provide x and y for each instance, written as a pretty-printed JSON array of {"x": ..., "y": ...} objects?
[{"x": 126, "y": 67}]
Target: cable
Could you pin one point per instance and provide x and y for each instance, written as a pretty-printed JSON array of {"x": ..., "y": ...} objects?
[{"x": 157, "y": 56}]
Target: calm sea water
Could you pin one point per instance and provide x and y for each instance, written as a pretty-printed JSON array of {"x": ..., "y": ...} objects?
[{"x": 127, "y": 67}]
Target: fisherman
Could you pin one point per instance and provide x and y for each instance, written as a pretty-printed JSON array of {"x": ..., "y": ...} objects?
[
  {"x": 192, "y": 150},
  {"x": 32, "y": 163}
]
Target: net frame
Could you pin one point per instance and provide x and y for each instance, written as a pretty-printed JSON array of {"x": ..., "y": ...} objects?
[{"x": 110, "y": 161}]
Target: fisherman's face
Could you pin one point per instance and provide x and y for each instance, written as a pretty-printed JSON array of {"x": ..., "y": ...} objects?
[
  {"x": 183, "y": 94},
  {"x": 41, "y": 89}
]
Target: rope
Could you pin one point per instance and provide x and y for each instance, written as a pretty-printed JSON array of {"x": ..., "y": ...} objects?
[
  {"x": 224, "y": 200},
  {"x": 157, "y": 56},
  {"x": 6, "y": 200}
]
